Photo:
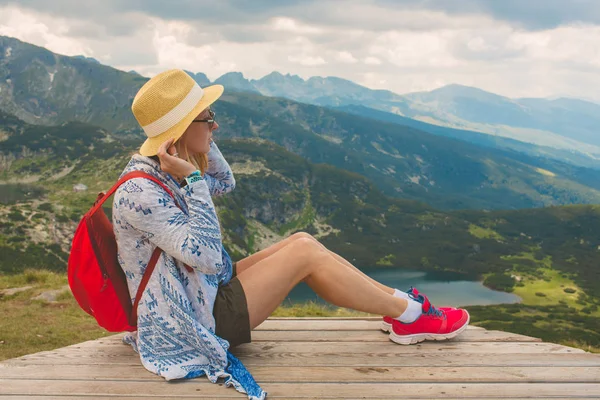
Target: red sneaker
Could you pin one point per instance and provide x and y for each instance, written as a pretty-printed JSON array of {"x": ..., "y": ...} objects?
[
  {"x": 433, "y": 324},
  {"x": 386, "y": 324}
]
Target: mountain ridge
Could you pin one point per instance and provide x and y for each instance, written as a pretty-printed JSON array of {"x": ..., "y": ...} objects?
[{"x": 402, "y": 161}]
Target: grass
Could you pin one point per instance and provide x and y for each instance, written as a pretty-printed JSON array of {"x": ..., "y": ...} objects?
[
  {"x": 484, "y": 233},
  {"x": 562, "y": 325},
  {"x": 553, "y": 289},
  {"x": 386, "y": 261},
  {"x": 546, "y": 280},
  {"x": 29, "y": 326},
  {"x": 307, "y": 216},
  {"x": 313, "y": 309},
  {"x": 42, "y": 279},
  {"x": 529, "y": 256}
]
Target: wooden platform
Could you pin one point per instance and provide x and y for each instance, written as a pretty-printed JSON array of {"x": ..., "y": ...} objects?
[{"x": 322, "y": 358}]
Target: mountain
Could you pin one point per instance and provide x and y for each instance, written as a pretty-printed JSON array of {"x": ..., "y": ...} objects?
[
  {"x": 478, "y": 138},
  {"x": 200, "y": 78},
  {"x": 567, "y": 124},
  {"x": 330, "y": 91},
  {"x": 574, "y": 121},
  {"x": 406, "y": 162},
  {"x": 274, "y": 84},
  {"x": 90, "y": 59},
  {"x": 41, "y": 87},
  {"x": 402, "y": 161},
  {"x": 236, "y": 81},
  {"x": 578, "y": 118}
]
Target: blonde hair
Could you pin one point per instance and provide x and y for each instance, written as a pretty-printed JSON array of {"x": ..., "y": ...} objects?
[{"x": 199, "y": 161}]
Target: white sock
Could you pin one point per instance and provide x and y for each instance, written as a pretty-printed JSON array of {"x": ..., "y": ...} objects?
[
  {"x": 401, "y": 294},
  {"x": 412, "y": 313}
]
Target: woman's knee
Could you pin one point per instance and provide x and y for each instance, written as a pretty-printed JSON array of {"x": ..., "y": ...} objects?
[
  {"x": 302, "y": 235},
  {"x": 308, "y": 250}
]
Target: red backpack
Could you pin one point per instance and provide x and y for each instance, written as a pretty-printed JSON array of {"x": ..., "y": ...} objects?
[{"x": 96, "y": 279}]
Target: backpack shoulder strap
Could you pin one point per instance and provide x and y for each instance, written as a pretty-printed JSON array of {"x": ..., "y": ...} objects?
[
  {"x": 125, "y": 178},
  {"x": 143, "y": 284}
]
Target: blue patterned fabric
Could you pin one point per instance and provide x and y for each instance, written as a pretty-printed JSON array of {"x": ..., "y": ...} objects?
[{"x": 175, "y": 337}]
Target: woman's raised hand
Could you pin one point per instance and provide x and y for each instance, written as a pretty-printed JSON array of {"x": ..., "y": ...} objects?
[{"x": 170, "y": 163}]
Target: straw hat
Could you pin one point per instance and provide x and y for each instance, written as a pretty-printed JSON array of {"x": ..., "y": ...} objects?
[{"x": 166, "y": 105}]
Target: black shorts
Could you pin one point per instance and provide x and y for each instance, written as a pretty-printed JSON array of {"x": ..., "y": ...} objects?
[{"x": 232, "y": 321}]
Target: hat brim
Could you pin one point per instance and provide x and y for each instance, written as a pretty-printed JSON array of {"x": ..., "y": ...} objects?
[{"x": 151, "y": 145}]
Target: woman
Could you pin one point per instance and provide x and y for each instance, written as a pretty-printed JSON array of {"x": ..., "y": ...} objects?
[{"x": 198, "y": 303}]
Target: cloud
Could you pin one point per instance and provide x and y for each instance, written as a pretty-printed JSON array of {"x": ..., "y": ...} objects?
[
  {"x": 514, "y": 48},
  {"x": 308, "y": 61},
  {"x": 414, "y": 49},
  {"x": 346, "y": 57},
  {"x": 372, "y": 61},
  {"x": 525, "y": 14},
  {"x": 285, "y": 24},
  {"x": 40, "y": 30}
]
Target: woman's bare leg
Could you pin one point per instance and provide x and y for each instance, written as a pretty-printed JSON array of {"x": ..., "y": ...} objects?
[
  {"x": 251, "y": 260},
  {"x": 270, "y": 280}
]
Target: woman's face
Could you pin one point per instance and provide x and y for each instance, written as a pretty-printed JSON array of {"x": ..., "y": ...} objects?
[{"x": 198, "y": 135}]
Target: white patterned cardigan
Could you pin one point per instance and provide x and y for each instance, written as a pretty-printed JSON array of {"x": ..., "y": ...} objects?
[{"x": 175, "y": 336}]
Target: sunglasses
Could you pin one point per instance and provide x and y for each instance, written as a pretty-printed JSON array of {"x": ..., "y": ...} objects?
[{"x": 210, "y": 121}]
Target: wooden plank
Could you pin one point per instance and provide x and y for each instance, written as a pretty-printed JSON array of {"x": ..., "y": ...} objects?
[
  {"x": 362, "y": 349},
  {"x": 237, "y": 396},
  {"x": 346, "y": 353},
  {"x": 342, "y": 336},
  {"x": 422, "y": 360},
  {"x": 374, "y": 336},
  {"x": 318, "y": 325},
  {"x": 373, "y": 325},
  {"x": 323, "y": 374},
  {"x": 191, "y": 388},
  {"x": 374, "y": 318},
  {"x": 357, "y": 350},
  {"x": 328, "y": 359}
]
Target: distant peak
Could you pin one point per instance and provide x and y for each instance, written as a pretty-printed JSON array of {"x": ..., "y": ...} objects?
[
  {"x": 200, "y": 78},
  {"x": 236, "y": 81},
  {"x": 457, "y": 88},
  {"x": 233, "y": 74},
  {"x": 91, "y": 59},
  {"x": 274, "y": 74},
  {"x": 277, "y": 76}
]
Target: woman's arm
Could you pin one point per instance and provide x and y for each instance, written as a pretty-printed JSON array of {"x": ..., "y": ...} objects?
[
  {"x": 218, "y": 176},
  {"x": 193, "y": 239}
]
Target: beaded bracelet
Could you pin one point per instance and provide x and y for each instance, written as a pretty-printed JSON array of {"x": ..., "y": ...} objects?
[{"x": 193, "y": 177}]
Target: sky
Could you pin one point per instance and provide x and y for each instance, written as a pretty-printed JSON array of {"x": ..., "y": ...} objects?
[{"x": 516, "y": 48}]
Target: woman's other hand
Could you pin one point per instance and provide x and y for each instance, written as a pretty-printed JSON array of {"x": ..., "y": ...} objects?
[{"x": 170, "y": 163}]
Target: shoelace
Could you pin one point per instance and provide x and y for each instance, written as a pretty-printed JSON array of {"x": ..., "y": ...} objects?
[
  {"x": 421, "y": 299},
  {"x": 434, "y": 311}
]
